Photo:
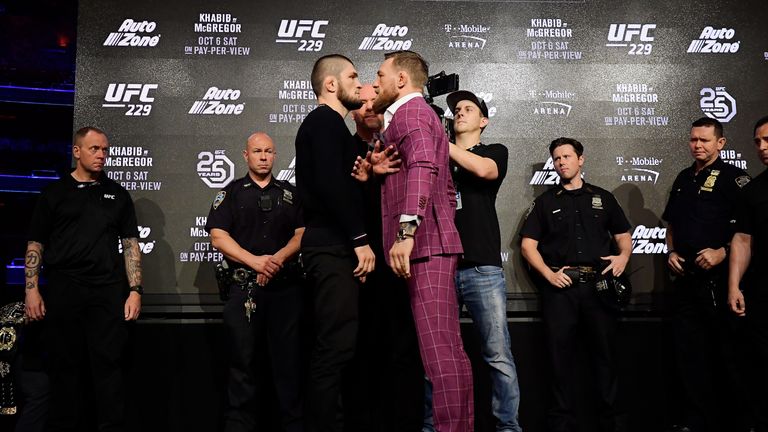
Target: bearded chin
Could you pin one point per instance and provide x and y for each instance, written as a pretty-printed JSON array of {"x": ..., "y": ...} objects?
[
  {"x": 383, "y": 101},
  {"x": 350, "y": 103}
]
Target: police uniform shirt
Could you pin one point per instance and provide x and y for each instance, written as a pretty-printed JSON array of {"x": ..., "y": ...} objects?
[
  {"x": 752, "y": 219},
  {"x": 260, "y": 220},
  {"x": 80, "y": 225},
  {"x": 476, "y": 218},
  {"x": 574, "y": 227},
  {"x": 701, "y": 207}
]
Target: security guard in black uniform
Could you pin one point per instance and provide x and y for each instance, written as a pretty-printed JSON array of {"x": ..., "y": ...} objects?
[
  {"x": 700, "y": 216},
  {"x": 568, "y": 239},
  {"x": 747, "y": 294},
  {"x": 256, "y": 223}
]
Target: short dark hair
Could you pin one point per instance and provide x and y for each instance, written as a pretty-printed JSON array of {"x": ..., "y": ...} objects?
[
  {"x": 329, "y": 65},
  {"x": 760, "y": 124},
  {"x": 82, "y": 132},
  {"x": 709, "y": 122},
  {"x": 411, "y": 62},
  {"x": 706, "y": 122},
  {"x": 566, "y": 141}
]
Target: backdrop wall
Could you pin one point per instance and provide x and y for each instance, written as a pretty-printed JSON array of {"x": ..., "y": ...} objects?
[{"x": 179, "y": 85}]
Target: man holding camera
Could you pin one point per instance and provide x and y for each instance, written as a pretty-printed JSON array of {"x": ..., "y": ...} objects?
[
  {"x": 256, "y": 222},
  {"x": 478, "y": 170}
]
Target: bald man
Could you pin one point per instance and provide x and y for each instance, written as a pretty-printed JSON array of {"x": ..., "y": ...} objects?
[
  {"x": 335, "y": 250},
  {"x": 256, "y": 222}
]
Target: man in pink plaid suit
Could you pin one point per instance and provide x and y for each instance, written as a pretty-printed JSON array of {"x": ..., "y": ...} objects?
[{"x": 418, "y": 207}]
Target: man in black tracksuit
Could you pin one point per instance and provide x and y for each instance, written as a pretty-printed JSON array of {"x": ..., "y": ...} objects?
[{"x": 335, "y": 247}]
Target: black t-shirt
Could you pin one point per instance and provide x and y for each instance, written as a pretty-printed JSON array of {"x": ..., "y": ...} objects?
[
  {"x": 701, "y": 207},
  {"x": 80, "y": 226},
  {"x": 260, "y": 220},
  {"x": 333, "y": 199},
  {"x": 575, "y": 227},
  {"x": 476, "y": 218},
  {"x": 752, "y": 219}
]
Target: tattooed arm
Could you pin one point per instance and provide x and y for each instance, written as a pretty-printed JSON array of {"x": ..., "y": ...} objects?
[
  {"x": 33, "y": 301},
  {"x": 132, "y": 256}
]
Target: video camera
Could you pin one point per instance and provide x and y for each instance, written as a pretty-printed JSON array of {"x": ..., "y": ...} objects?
[{"x": 438, "y": 85}]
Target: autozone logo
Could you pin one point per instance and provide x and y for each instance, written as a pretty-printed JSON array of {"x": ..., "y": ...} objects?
[
  {"x": 546, "y": 175},
  {"x": 289, "y": 174},
  {"x": 307, "y": 34},
  {"x": 136, "y": 99},
  {"x": 649, "y": 241},
  {"x": 215, "y": 169},
  {"x": 637, "y": 37},
  {"x": 128, "y": 35},
  {"x": 717, "y": 103},
  {"x": 712, "y": 41},
  {"x": 382, "y": 39},
  {"x": 218, "y": 102}
]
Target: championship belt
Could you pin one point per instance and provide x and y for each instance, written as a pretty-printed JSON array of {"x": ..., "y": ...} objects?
[{"x": 11, "y": 319}]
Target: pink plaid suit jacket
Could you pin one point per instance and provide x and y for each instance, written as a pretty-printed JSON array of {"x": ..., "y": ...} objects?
[{"x": 423, "y": 186}]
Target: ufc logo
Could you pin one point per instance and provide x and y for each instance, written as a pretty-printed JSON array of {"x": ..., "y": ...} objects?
[
  {"x": 297, "y": 28},
  {"x": 125, "y": 92},
  {"x": 626, "y": 32}
]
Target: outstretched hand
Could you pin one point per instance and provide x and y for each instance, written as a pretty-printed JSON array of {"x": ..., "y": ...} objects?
[{"x": 384, "y": 161}]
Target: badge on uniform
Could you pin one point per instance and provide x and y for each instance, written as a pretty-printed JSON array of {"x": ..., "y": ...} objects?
[
  {"x": 709, "y": 183},
  {"x": 288, "y": 196},
  {"x": 597, "y": 202},
  {"x": 218, "y": 200}
]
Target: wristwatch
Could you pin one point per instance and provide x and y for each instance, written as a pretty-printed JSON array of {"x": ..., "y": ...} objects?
[
  {"x": 137, "y": 288},
  {"x": 407, "y": 230}
]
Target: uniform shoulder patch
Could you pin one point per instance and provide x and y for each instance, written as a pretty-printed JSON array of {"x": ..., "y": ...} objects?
[
  {"x": 742, "y": 181},
  {"x": 219, "y": 199}
]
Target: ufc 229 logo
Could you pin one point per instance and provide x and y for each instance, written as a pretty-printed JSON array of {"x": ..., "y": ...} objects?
[
  {"x": 307, "y": 34},
  {"x": 637, "y": 37},
  {"x": 215, "y": 169},
  {"x": 137, "y": 99}
]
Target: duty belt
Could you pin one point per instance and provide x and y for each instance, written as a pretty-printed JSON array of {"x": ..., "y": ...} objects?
[
  {"x": 245, "y": 279},
  {"x": 581, "y": 274}
]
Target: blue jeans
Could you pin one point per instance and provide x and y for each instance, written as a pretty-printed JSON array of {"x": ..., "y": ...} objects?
[{"x": 483, "y": 290}]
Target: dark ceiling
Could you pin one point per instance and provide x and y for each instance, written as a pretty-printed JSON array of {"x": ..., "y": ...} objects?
[{"x": 37, "y": 43}]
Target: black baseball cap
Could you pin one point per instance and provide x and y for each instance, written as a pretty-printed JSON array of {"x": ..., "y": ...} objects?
[{"x": 458, "y": 96}]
